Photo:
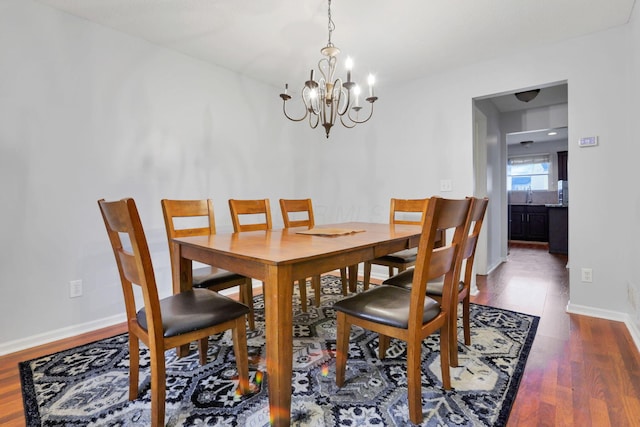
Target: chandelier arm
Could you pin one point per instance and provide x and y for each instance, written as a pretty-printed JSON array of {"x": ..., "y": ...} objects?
[
  {"x": 356, "y": 121},
  {"x": 346, "y": 124},
  {"x": 309, "y": 104},
  {"x": 311, "y": 123},
  {"x": 341, "y": 94},
  {"x": 284, "y": 110}
]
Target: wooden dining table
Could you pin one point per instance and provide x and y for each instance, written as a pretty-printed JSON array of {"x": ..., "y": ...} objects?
[{"x": 277, "y": 258}]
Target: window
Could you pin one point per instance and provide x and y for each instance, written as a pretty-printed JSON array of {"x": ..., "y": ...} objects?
[{"x": 528, "y": 172}]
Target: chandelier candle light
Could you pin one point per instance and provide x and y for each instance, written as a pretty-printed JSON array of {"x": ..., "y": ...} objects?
[{"x": 327, "y": 99}]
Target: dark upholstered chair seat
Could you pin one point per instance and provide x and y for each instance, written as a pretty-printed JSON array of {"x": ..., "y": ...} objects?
[
  {"x": 207, "y": 277},
  {"x": 404, "y": 280},
  {"x": 404, "y": 256},
  {"x": 388, "y": 305},
  {"x": 193, "y": 310}
]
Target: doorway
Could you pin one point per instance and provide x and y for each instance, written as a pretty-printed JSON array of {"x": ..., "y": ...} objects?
[{"x": 502, "y": 122}]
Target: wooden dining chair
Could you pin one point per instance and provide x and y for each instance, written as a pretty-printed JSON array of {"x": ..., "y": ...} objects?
[
  {"x": 402, "y": 211},
  {"x": 169, "y": 322},
  {"x": 409, "y": 315},
  {"x": 257, "y": 213},
  {"x": 299, "y": 213},
  {"x": 435, "y": 286},
  {"x": 215, "y": 279}
]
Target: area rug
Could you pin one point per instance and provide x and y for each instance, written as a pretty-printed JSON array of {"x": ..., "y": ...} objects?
[{"x": 88, "y": 385}]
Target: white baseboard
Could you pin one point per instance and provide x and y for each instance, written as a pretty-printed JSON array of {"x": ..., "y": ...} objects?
[
  {"x": 58, "y": 334},
  {"x": 71, "y": 331},
  {"x": 608, "y": 315},
  {"x": 494, "y": 266}
]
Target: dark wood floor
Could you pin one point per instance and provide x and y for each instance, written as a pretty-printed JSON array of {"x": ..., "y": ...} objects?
[{"x": 582, "y": 371}]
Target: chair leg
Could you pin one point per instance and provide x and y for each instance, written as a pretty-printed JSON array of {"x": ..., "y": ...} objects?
[
  {"x": 315, "y": 283},
  {"x": 203, "y": 347},
  {"x": 246, "y": 294},
  {"x": 391, "y": 271},
  {"x": 445, "y": 355},
  {"x": 453, "y": 338},
  {"x": 242, "y": 356},
  {"x": 466, "y": 322},
  {"x": 134, "y": 366},
  {"x": 383, "y": 345},
  {"x": 414, "y": 380},
  {"x": 302, "y": 286},
  {"x": 345, "y": 283},
  {"x": 367, "y": 275},
  {"x": 158, "y": 387},
  {"x": 342, "y": 346}
]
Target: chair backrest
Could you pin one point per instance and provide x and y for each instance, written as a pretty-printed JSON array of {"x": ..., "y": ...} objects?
[
  {"x": 432, "y": 262},
  {"x": 258, "y": 207},
  {"x": 414, "y": 206},
  {"x": 476, "y": 217},
  {"x": 187, "y": 209},
  {"x": 134, "y": 263},
  {"x": 298, "y": 206}
]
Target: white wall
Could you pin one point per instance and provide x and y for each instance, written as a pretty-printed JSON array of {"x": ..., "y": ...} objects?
[
  {"x": 86, "y": 113},
  {"x": 495, "y": 217},
  {"x": 628, "y": 156}
]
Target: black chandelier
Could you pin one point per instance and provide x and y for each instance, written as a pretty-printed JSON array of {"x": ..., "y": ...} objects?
[{"x": 328, "y": 99}]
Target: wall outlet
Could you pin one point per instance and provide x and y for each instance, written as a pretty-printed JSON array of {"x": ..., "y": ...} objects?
[
  {"x": 587, "y": 275},
  {"x": 445, "y": 185},
  {"x": 75, "y": 288}
]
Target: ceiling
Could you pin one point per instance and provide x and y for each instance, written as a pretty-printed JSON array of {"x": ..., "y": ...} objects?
[
  {"x": 278, "y": 41},
  {"x": 548, "y": 95},
  {"x": 541, "y": 135}
]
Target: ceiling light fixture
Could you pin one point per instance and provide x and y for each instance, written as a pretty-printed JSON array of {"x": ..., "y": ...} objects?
[
  {"x": 327, "y": 99},
  {"x": 527, "y": 95}
]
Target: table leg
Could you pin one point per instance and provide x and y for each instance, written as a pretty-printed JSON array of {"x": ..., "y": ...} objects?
[
  {"x": 279, "y": 342},
  {"x": 353, "y": 277}
]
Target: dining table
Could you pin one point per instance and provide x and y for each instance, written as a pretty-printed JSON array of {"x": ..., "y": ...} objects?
[{"x": 277, "y": 258}]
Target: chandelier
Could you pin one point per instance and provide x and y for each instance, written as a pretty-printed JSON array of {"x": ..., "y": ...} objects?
[{"x": 325, "y": 100}]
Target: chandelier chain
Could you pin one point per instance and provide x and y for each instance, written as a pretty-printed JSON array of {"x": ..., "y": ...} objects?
[{"x": 331, "y": 25}]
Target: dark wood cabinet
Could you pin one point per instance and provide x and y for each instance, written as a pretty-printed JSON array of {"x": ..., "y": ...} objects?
[
  {"x": 528, "y": 222},
  {"x": 517, "y": 215},
  {"x": 563, "y": 173},
  {"x": 559, "y": 230}
]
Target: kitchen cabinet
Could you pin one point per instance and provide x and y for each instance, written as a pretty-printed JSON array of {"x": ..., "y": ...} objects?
[
  {"x": 563, "y": 171},
  {"x": 559, "y": 230},
  {"x": 528, "y": 222}
]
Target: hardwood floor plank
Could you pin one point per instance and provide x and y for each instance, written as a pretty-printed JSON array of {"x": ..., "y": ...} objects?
[{"x": 599, "y": 413}]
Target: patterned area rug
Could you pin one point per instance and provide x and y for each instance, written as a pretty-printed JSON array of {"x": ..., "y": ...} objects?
[{"x": 88, "y": 385}]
